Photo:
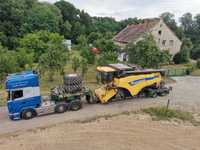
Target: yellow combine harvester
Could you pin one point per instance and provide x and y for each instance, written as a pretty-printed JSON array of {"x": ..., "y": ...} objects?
[{"x": 126, "y": 81}]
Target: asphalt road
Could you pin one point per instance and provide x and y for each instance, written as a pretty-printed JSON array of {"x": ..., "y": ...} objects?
[{"x": 185, "y": 95}]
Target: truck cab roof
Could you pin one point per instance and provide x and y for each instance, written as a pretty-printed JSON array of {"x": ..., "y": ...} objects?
[{"x": 22, "y": 80}]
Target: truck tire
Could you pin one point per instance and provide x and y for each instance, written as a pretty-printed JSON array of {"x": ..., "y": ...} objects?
[
  {"x": 72, "y": 79},
  {"x": 75, "y": 105},
  {"x": 28, "y": 114},
  {"x": 72, "y": 88},
  {"x": 61, "y": 108}
]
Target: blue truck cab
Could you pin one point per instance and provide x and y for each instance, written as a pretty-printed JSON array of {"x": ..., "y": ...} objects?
[
  {"x": 23, "y": 94},
  {"x": 25, "y": 102}
]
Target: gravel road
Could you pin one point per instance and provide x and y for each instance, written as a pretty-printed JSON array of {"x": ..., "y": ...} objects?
[{"x": 185, "y": 95}]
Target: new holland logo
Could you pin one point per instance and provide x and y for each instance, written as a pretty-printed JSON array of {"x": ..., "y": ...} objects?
[{"x": 132, "y": 83}]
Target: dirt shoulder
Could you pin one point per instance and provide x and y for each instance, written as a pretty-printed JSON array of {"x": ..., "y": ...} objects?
[{"x": 121, "y": 132}]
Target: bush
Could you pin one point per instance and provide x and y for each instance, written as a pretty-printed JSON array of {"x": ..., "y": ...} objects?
[
  {"x": 182, "y": 56},
  {"x": 107, "y": 58},
  {"x": 75, "y": 63},
  {"x": 198, "y": 63},
  {"x": 195, "y": 52},
  {"x": 147, "y": 54}
]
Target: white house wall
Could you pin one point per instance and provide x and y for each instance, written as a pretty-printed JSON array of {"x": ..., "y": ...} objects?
[{"x": 167, "y": 35}]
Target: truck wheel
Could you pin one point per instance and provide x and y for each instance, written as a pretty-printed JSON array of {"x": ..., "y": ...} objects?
[
  {"x": 28, "y": 114},
  {"x": 75, "y": 106},
  {"x": 61, "y": 108}
]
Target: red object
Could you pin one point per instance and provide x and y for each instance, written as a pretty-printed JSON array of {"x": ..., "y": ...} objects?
[{"x": 95, "y": 51}]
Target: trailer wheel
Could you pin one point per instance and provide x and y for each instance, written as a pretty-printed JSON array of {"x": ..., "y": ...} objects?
[
  {"x": 28, "y": 114},
  {"x": 61, "y": 108},
  {"x": 75, "y": 105}
]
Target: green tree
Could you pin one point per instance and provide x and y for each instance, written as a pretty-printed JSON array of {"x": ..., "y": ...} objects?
[
  {"x": 42, "y": 16},
  {"x": 168, "y": 18},
  {"x": 129, "y": 21},
  {"x": 24, "y": 58},
  {"x": 75, "y": 63},
  {"x": 53, "y": 60},
  {"x": 195, "y": 52},
  {"x": 146, "y": 53},
  {"x": 93, "y": 36},
  {"x": 68, "y": 11},
  {"x": 8, "y": 63},
  {"x": 105, "y": 45},
  {"x": 13, "y": 13},
  {"x": 187, "y": 21},
  {"x": 77, "y": 30},
  {"x": 88, "y": 55},
  {"x": 84, "y": 67},
  {"x": 39, "y": 42},
  {"x": 107, "y": 58},
  {"x": 66, "y": 30},
  {"x": 198, "y": 63},
  {"x": 182, "y": 56}
]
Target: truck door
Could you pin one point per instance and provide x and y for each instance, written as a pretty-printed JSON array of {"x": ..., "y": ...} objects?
[{"x": 15, "y": 101}]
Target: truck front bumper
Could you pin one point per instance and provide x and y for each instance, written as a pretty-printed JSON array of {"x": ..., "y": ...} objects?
[{"x": 14, "y": 116}]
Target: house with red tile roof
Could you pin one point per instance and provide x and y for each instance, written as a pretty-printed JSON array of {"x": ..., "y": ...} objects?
[{"x": 165, "y": 38}]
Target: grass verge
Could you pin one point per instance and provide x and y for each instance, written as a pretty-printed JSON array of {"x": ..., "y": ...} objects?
[
  {"x": 162, "y": 113},
  {"x": 196, "y": 72}
]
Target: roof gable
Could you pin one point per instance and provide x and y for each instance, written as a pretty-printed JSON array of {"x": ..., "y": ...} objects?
[{"x": 132, "y": 32}]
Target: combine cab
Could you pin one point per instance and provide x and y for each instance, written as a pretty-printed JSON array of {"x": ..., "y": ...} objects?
[{"x": 125, "y": 81}]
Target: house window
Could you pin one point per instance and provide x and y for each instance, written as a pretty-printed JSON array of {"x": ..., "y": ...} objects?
[
  {"x": 159, "y": 32},
  {"x": 171, "y": 42},
  {"x": 164, "y": 42},
  {"x": 159, "y": 41},
  {"x": 17, "y": 94}
]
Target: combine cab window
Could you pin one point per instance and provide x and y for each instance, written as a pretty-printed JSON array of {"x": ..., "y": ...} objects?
[
  {"x": 105, "y": 77},
  {"x": 17, "y": 94}
]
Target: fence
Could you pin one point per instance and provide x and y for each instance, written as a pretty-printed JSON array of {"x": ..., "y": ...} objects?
[{"x": 178, "y": 71}]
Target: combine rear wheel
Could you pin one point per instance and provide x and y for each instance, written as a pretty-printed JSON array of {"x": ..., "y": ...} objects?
[
  {"x": 120, "y": 94},
  {"x": 152, "y": 93}
]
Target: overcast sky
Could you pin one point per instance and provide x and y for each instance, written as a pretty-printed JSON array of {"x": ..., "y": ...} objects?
[{"x": 121, "y": 9}]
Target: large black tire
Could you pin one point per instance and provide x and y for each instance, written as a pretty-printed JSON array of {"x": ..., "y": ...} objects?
[
  {"x": 72, "y": 79},
  {"x": 75, "y": 105},
  {"x": 61, "y": 108},
  {"x": 72, "y": 88},
  {"x": 28, "y": 114}
]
